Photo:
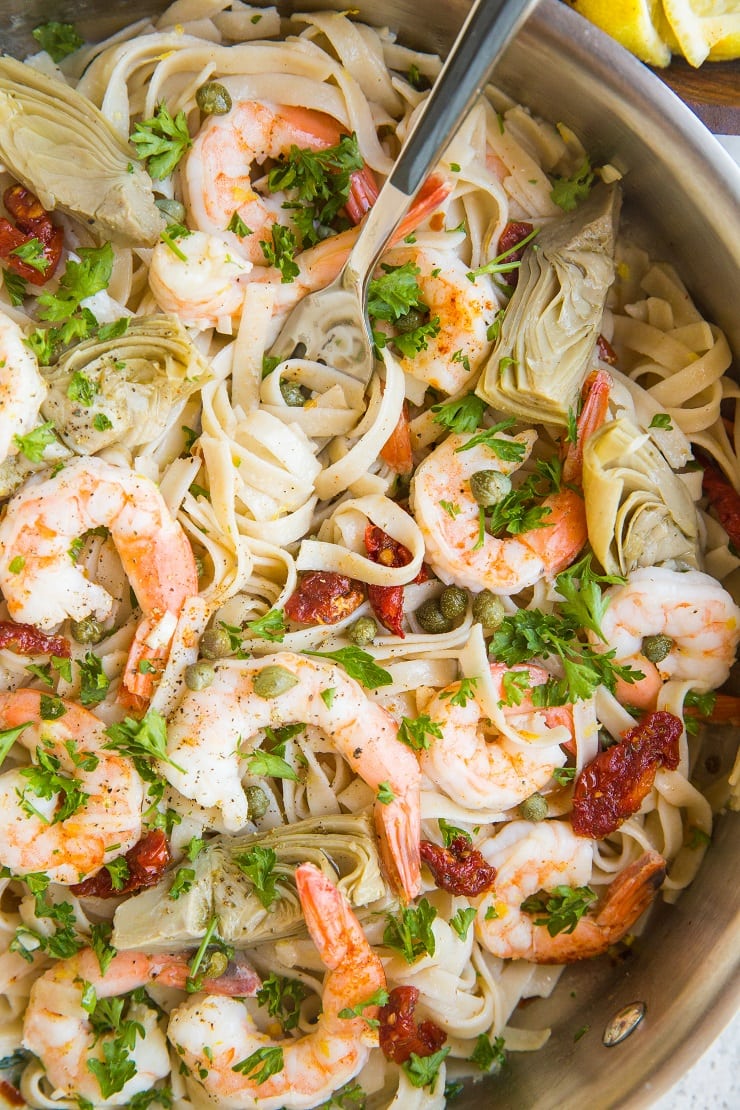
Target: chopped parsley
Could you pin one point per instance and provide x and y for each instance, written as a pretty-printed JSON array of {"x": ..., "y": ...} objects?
[
  {"x": 280, "y": 252},
  {"x": 258, "y": 864},
  {"x": 15, "y": 286},
  {"x": 507, "y": 450},
  {"x": 488, "y": 1053},
  {"x": 162, "y": 141},
  {"x": 465, "y": 691},
  {"x": 318, "y": 183},
  {"x": 94, "y": 681},
  {"x": 421, "y": 1071},
  {"x": 32, "y": 253},
  {"x": 45, "y": 780},
  {"x": 358, "y": 664},
  {"x": 261, "y": 1064},
  {"x": 142, "y": 740},
  {"x": 377, "y": 998},
  {"x": 270, "y": 765},
  {"x": 560, "y": 909},
  {"x": 410, "y": 931},
  {"x": 35, "y": 442},
  {"x": 463, "y": 415},
  {"x": 415, "y": 731},
  {"x": 662, "y": 421},
  {"x": 57, "y": 39},
  {"x": 283, "y": 998},
  {"x": 461, "y": 921},
  {"x": 271, "y": 626},
  {"x": 396, "y": 297},
  {"x": 568, "y": 191}
]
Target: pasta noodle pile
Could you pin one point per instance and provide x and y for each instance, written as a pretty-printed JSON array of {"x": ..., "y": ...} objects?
[{"x": 336, "y": 717}]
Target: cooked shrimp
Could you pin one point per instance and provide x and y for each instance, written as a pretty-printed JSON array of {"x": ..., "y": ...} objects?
[
  {"x": 531, "y": 857},
  {"x": 57, "y": 1026},
  {"x": 479, "y": 769},
  {"x": 696, "y": 619},
  {"x": 202, "y": 281},
  {"x": 22, "y": 389},
  {"x": 225, "y": 152},
  {"x": 464, "y": 309},
  {"x": 504, "y": 566},
  {"x": 74, "y": 765},
  {"x": 309, "y": 1068},
  {"x": 210, "y": 729},
  {"x": 41, "y": 582}
]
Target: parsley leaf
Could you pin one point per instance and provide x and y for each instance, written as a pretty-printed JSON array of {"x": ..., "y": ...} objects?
[
  {"x": 358, "y": 664},
  {"x": 271, "y": 626},
  {"x": 32, "y": 253},
  {"x": 261, "y": 1064},
  {"x": 505, "y": 449},
  {"x": 35, "y": 442},
  {"x": 57, "y": 39},
  {"x": 319, "y": 183},
  {"x": 394, "y": 293},
  {"x": 451, "y": 832},
  {"x": 15, "y": 286},
  {"x": 564, "y": 775},
  {"x": 162, "y": 141},
  {"x": 270, "y": 765},
  {"x": 115, "y": 1070},
  {"x": 465, "y": 691},
  {"x": 461, "y": 921},
  {"x": 79, "y": 281},
  {"x": 410, "y": 932},
  {"x": 182, "y": 882},
  {"x": 100, "y": 935},
  {"x": 463, "y": 415},
  {"x": 280, "y": 252},
  {"x": 283, "y": 999},
  {"x": 422, "y": 1070},
  {"x": 377, "y": 998},
  {"x": 258, "y": 865},
  {"x": 237, "y": 226},
  {"x": 562, "y": 908},
  {"x": 8, "y": 737},
  {"x": 146, "y": 738},
  {"x": 94, "y": 681},
  {"x": 45, "y": 780},
  {"x": 415, "y": 731},
  {"x": 662, "y": 421},
  {"x": 568, "y": 191},
  {"x": 486, "y": 1054}
]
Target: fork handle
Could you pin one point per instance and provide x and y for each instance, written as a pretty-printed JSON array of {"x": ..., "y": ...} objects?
[{"x": 484, "y": 35}]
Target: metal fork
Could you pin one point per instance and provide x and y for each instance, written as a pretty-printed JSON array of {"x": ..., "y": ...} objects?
[{"x": 331, "y": 325}]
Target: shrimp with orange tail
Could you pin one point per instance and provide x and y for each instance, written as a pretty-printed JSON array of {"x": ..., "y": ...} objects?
[
  {"x": 548, "y": 857},
  {"x": 212, "y": 730},
  {"x": 77, "y": 806},
  {"x": 246, "y": 1068},
  {"x": 459, "y": 549},
  {"x": 75, "y": 1037},
  {"x": 42, "y": 583},
  {"x": 485, "y": 771}
]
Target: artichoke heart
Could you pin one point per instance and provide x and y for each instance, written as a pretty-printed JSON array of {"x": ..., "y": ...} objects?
[
  {"x": 62, "y": 148},
  {"x": 135, "y": 380},
  {"x": 549, "y": 331},
  {"x": 639, "y": 512},
  {"x": 343, "y": 846}
]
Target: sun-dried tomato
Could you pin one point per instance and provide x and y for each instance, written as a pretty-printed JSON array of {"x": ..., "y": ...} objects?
[
  {"x": 725, "y": 501},
  {"x": 32, "y": 222},
  {"x": 400, "y": 1033},
  {"x": 10, "y": 1095},
  {"x": 387, "y": 601},
  {"x": 324, "y": 597},
  {"x": 146, "y": 862},
  {"x": 26, "y": 639},
  {"x": 396, "y": 451},
  {"x": 605, "y": 351},
  {"x": 513, "y": 233},
  {"x": 459, "y": 869},
  {"x": 613, "y": 786}
]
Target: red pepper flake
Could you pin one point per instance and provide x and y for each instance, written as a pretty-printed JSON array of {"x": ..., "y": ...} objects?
[
  {"x": 400, "y": 1034},
  {"x": 146, "y": 862},
  {"x": 725, "y": 501},
  {"x": 605, "y": 351},
  {"x": 513, "y": 233},
  {"x": 32, "y": 222},
  {"x": 459, "y": 869},
  {"x": 26, "y": 639},
  {"x": 613, "y": 786},
  {"x": 324, "y": 597}
]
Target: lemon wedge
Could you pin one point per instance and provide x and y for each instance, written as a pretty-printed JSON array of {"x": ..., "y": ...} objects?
[
  {"x": 705, "y": 28},
  {"x": 634, "y": 23}
]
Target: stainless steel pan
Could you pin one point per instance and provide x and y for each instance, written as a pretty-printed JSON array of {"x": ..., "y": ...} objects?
[{"x": 686, "y": 190}]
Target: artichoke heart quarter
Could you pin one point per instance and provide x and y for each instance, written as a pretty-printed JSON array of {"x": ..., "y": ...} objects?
[
  {"x": 62, "y": 148},
  {"x": 137, "y": 379},
  {"x": 343, "y": 846},
  {"x": 549, "y": 331},
  {"x": 638, "y": 511}
]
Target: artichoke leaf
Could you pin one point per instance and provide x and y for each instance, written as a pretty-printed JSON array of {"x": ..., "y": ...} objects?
[
  {"x": 62, "y": 148},
  {"x": 343, "y": 846},
  {"x": 135, "y": 380},
  {"x": 545, "y": 349},
  {"x": 638, "y": 511}
]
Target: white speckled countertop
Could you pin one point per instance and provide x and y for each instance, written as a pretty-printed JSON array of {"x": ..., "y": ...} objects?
[{"x": 714, "y": 1081}]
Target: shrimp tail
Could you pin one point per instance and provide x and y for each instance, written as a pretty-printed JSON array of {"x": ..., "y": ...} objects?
[
  {"x": 398, "y": 826},
  {"x": 329, "y": 918}
]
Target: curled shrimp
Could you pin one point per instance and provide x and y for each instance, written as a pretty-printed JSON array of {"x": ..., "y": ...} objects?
[
  {"x": 210, "y": 727},
  {"x": 43, "y": 585},
  {"x": 57, "y": 1026},
  {"x": 544, "y": 856},
  {"x": 696, "y": 619},
  {"x": 455, "y": 547},
  {"x": 70, "y": 766},
  {"x": 480, "y": 769},
  {"x": 306, "y": 1069},
  {"x": 464, "y": 311},
  {"x": 202, "y": 281},
  {"x": 22, "y": 389},
  {"x": 228, "y": 148}
]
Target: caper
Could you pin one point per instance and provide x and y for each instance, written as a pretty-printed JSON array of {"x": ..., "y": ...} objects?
[
  {"x": 86, "y": 631},
  {"x": 431, "y": 618},
  {"x": 215, "y": 964},
  {"x": 274, "y": 680},
  {"x": 655, "y": 648},
  {"x": 213, "y": 99},
  {"x": 200, "y": 675},
  {"x": 215, "y": 643},
  {"x": 488, "y": 487},
  {"x": 533, "y": 808},
  {"x": 293, "y": 393},
  {"x": 410, "y": 320},
  {"x": 453, "y": 603},
  {"x": 363, "y": 631},
  {"x": 488, "y": 609},
  {"x": 174, "y": 210},
  {"x": 257, "y": 801}
]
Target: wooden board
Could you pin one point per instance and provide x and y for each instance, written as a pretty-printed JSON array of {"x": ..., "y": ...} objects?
[{"x": 712, "y": 92}]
